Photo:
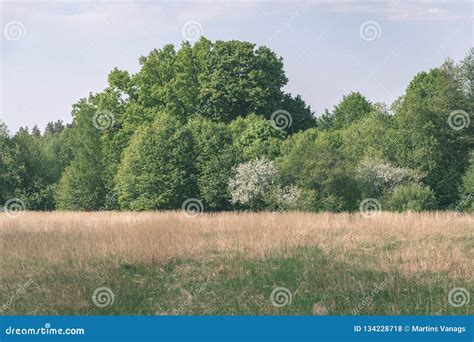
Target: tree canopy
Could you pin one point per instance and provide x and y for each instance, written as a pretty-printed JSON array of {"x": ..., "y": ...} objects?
[{"x": 211, "y": 122}]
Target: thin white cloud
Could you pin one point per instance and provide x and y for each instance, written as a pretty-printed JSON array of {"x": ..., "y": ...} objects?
[{"x": 399, "y": 11}]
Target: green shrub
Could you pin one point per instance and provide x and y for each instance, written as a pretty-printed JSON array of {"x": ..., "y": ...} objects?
[{"x": 414, "y": 197}]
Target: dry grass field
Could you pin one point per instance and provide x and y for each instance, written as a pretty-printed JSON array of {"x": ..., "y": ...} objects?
[{"x": 166, "y": 263}]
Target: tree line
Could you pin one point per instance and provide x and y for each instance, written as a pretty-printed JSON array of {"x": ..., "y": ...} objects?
[{"x": 211, "y": 122}]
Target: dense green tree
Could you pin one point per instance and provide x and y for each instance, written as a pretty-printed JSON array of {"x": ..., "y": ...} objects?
[
  {"x": 215, "y": 157},
  {"x": 325, "y": 121},
  {"x": 157, "y": 170},
  {"x": 465, "y": 71},
  {"x": 413, "y": 197},
  {"x": 467, "y": 189},
  {"x": 372, "y": 136},
  {"x": 9, "y": 167},
  {"x": 255, "y": 136},
  {"x": 31, "y": 170},
  {"x": 240, "y": 79},
  {"x": 426, "y": 139},
  {"x": 313, "y": 161},
  {"x": 82, "y": 185},
  {"x": 302, "y": 117},
  {"x": 352, "y": 108}
]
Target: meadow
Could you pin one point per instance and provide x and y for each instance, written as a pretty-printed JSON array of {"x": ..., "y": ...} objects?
[{"x": 293, "y": 263}]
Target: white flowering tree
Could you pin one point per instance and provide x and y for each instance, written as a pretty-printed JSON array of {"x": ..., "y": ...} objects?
[
  {"x": 254, "y": 186},
  {"x": 380, "y": 177}
]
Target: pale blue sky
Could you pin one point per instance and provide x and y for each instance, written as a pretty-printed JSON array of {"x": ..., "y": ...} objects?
[{"x": 67, "y": 48}]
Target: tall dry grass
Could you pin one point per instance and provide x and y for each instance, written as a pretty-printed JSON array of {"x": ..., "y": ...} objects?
[{"x": 407, "y": 242}]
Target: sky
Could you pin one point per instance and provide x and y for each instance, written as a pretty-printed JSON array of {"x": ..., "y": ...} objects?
[{"x": 55, "y": 52}]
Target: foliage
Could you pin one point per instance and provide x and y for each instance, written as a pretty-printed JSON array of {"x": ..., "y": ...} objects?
[
  {"x": 467, "y": 199},
  {"x": 215, "y": 157},
  {"x": 255, "y": 136},
  {"x": 252, "y": 182},
  {"x": 379, "y": 177},
  {"x": 352, "y": 108},
  {"x": 157, "y": 171},
  {"x": 82, "y": 185},
  {"x": 373, "y": 136},
  {"x": 413, "y": 197},
  {"x": 313, "y": 161},
  {"x": 425, "y": 141},
  {"x": 198, "y": 122},
  {"x": 254, "y": 186}
]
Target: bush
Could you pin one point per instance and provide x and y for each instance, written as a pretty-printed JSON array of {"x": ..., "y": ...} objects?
[
  {"x": 254, "y": 187},
  {"x": 379, "y": 177},
  {"x": 414, "y": 197},
  {"x": 251, "y": 182},
  {"x": 313, "y": 161}
]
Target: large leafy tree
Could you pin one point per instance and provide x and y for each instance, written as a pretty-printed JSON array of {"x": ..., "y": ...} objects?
[
  {"x": 219, "y": 81},
  {"x": 9, "y": 167},
  {"x": 426, "y": 140},
  {"x": 215, "y": 157},
  {"x": 31, "y": 168},
  {"x": 372, "y": 136},
  {"x": 82, "y": 185},
  {"x": 240, "y": 78},
  {"x": 157, "y": 170},
  {"x": 353, "y": 107}
]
